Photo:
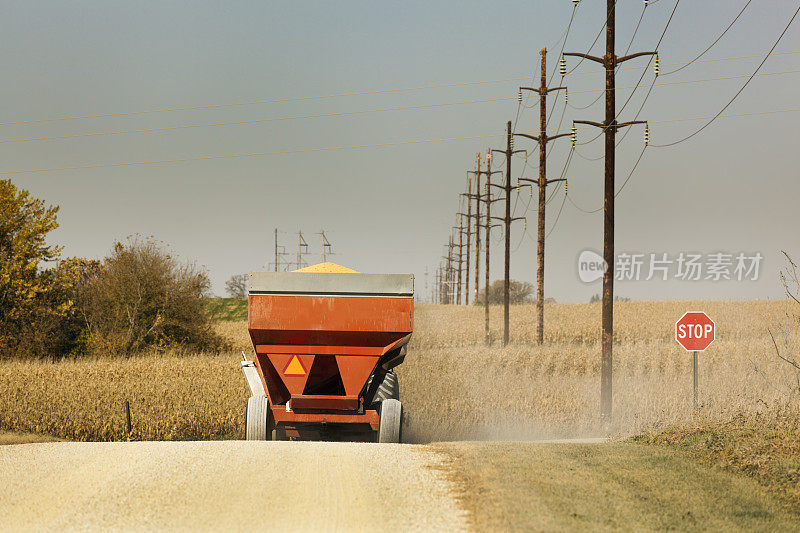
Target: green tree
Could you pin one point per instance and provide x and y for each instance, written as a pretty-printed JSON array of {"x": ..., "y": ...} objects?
[
  {"x": 25, "y": 222},
  {"x": 54, "y": 326}
]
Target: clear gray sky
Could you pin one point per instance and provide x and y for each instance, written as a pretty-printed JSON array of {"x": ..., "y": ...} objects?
[{"x": 733, "y": 188}]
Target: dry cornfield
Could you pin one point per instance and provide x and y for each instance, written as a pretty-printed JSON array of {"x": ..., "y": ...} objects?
[
  {"x": 170, "y": 397},
  {"x": 453, "y": 386}
]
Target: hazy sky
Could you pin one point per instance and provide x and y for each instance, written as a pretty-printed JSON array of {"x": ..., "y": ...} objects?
[{"x": 733, "y": 188}]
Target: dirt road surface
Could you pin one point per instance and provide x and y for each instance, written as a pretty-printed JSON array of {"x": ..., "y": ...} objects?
[{"x": 287, "y": 486}]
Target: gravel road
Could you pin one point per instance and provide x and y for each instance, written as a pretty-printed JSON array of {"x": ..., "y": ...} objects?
[{"x": 287, "y": 486}]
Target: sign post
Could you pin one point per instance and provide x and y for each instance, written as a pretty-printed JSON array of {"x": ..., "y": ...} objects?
[
  {"x": 694, "y": 377},
  {"x": 695, "y": 331}
]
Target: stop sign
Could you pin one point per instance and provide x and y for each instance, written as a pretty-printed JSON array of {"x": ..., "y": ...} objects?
[{"x": 695, "y": 331}]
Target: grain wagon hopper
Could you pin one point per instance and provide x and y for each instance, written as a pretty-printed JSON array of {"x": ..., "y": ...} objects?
[{"x": 326, "y": 339}]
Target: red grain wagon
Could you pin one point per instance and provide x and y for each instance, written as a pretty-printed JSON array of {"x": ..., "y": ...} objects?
[{"x": 325, "y": 346}]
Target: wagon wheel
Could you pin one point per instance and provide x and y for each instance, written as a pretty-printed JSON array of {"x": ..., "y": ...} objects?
[
  {"x": 391, "y": 417},
  {"x": 389, "y": 388},
  {"x": 259, "y": 422}
]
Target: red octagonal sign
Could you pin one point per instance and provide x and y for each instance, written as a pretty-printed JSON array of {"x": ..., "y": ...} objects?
[{"x": 695, "y": 331}]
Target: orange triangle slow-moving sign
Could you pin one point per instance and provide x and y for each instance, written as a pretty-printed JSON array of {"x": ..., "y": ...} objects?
[{"x": 295, "y": 367}]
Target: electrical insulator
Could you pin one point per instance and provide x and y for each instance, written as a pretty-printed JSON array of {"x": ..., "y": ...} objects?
[
  {"x": 519, "y": 96},
  {"x": 562, "y": 66},
  {"x": 576, "y": 2},
  {"x": 526, "y": 157},
  {"x": 646, "y": 3},
  {"x": 657, "y": 65},
  {"x": 511, "y": 142},
  {"x": 646, "y": 134},
  {"x": 566, "y": 96},
  {"x": 574, "y": 135},
  {"x": 565, "y": 187}
]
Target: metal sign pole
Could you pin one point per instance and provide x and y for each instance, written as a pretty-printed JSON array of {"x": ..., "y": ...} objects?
[{"x": 694, "y": 378}]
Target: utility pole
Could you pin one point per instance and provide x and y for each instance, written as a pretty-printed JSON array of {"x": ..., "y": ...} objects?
[
  {"x": 326, "y": 247},
  {"x": 426, "y": 284},
  {"x": 276, "y": 249},
  {"x": 542, "y": 182},
  {"x": 449, "y": 271},
  {"x": 279, "y": 252},
  {"x": 460, "y": 261},
  {"x": 477, "y": 173},
  {"x": 488, "y": 201},
  {"x": 301, "y": 245},
  {"x": 469, "y": 236},
  {"x": 438, "y": 284},
  {"x": 507, "y": 219},
  {"x": 461, "y": 217},
  {"x": 610, "y": 126},
  {"x": 488, "y": 236}
]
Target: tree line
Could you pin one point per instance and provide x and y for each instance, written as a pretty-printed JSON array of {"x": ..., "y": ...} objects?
[{"x": 138, "y": 298}]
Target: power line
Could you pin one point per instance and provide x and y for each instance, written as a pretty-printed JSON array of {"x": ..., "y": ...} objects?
[
  {"x": 721, "y": 35},
  {"x": 704, "y": 126},
  {"x": 724, "y": 116},
  {"x": 644, "y": 71},
  {"x": 257, "y": 102},
  {"x": 636, "y": 30},
  {"x": 652, "y": 84},
  {"x": 520, "y": 105},
  {"x": 338, "y": 95},
  {"x": 255, "y": 121},
  {"x": 627, "y": 179},
  {"x": 591, "y": 47},
  {"x": 254, "y": 154},
  {"x": 563, "y": 44},
  {"x": 558, "y": 216},
  {"x": 706, "y": 117},
  {"x": 353, "y": 147},
  {"x": 601, "y": 92},
  {"x": 641, "y": 154}
]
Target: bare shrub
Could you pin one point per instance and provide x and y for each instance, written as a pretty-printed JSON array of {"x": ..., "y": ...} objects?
[
  {"x": 789, "y": 327},
  {"x": 236, "y": 286},
  {"x": 144, "y": 298},
  {"x": 519, "y": 292}
]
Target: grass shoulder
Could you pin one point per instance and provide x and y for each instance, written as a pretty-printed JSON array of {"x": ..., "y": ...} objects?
[
  {"x": 227, "y": 309},
  {"x": 766, "y": 449},
  {"x": 614, "y": 485}
]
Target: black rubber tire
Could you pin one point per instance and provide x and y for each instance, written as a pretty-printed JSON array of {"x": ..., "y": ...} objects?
[
  {"x": 390, "y": 426},
  {"x": 258, "y": 419},
  {"x": 388, "y": 389}
]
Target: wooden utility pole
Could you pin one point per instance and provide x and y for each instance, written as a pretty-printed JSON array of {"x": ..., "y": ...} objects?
[
  {"x": 461, "y": 217},
  {"x": 542, "y": 183},
  {"x": 488, "y": 238},
  {"x": 609, "y": 126},
  {"x": 460, "y": 247},
  {"x": 507, "y": 220},
  {"x": 477, "y": 173},
  {"x": 488, "y": 200},
  {"x": 439, "y": 285},
  {"x": 469, "y": 196},
  {"x": 449, "y": 270}
]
